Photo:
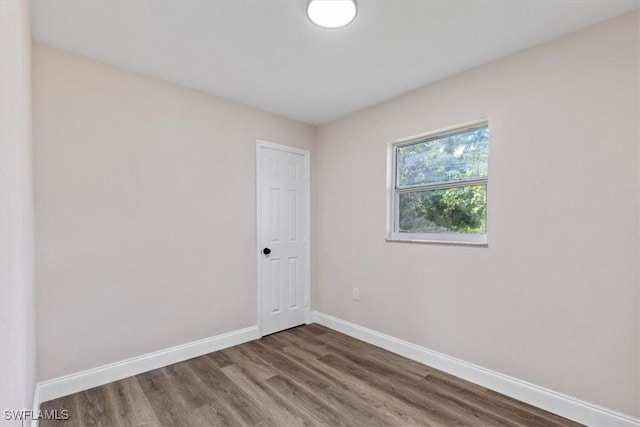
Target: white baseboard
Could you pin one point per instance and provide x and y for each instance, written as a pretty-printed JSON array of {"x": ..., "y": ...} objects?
[
  {"x": 543, "y": 398},
  {"x": 557, "y": 403},
  {"x": 73, "y": 383}
]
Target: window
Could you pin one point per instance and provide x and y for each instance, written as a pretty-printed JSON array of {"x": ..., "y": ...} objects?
[{"x": 439, "y": 190}]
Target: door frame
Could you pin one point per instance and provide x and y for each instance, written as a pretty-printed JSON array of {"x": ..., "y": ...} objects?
[{"x": 260, "y": 144}]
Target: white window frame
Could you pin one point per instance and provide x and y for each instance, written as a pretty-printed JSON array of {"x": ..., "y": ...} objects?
[{"x": 393, "y": 200}]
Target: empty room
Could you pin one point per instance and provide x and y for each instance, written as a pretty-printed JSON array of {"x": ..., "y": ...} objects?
[{"x": 320, "y": 213}]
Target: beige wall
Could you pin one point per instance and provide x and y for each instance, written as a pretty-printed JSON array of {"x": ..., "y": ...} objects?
[
  {"x": 554, "y": 298},
  {"x": 145, "y": 212},
  {"x": 17, "y": 301}
]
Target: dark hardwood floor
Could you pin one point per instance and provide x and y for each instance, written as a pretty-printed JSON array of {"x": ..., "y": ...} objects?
[{"x": 309, "y": 376}]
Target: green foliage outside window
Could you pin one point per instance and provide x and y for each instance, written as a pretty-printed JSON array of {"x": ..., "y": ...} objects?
[{"x": 451, "y": 159}]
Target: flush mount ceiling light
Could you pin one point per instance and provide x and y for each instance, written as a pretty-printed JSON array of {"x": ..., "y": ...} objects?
[{"x": 331, "y": 13}]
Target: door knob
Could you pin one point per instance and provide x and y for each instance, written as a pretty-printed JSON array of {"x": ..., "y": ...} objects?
[{"x": 266, "y": 251}]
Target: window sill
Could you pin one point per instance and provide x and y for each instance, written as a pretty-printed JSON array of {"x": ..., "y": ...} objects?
[{"x": 438, "y": 242}]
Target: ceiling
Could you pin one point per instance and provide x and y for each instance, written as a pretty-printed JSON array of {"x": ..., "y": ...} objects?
[{"x": 265, "y": 53}]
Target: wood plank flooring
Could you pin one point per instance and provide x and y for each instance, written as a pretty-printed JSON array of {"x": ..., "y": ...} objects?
[{"x": 306, "y": 376}]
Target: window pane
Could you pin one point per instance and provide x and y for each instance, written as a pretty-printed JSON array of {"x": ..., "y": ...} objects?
[
  {"x": 449, "y": 210},
  {"x": 450, "y": 158}
]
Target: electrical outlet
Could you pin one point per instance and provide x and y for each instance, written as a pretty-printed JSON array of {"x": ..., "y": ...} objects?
[{"x": 355, "y": 295}]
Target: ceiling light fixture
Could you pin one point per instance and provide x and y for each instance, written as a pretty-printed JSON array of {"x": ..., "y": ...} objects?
[{"x": 331, "y": 13}]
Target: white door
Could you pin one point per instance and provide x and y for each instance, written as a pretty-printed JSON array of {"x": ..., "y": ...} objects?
[{"x": 283, "y": 251}]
